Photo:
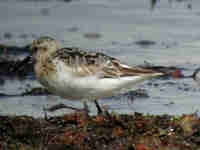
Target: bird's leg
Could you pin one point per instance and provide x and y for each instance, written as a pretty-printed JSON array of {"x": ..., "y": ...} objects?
[
  {"x": 85, "y": 107},
  {"x": 45, "y": 114},
  {"x": 100, "y": 111}
]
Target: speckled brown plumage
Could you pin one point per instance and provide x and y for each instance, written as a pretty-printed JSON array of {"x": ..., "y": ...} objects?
[
  {"x": 74, "y": 73},
  {"x": 106, "y": 66}
]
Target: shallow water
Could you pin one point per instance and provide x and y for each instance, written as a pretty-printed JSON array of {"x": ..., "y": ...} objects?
[{"x": 113, "y": 27}]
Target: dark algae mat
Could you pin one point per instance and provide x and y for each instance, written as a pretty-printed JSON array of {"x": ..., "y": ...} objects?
[{"x": 79, "y": 131}]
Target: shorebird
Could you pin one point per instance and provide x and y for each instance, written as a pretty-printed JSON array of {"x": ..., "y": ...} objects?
[{"x": 76, "y": 74}]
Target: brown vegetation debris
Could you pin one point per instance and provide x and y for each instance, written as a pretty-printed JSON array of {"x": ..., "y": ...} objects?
[{"x": 78, "y": 131}]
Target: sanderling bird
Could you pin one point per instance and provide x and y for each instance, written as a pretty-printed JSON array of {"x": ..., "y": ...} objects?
[{"x": 76, "y": 74}]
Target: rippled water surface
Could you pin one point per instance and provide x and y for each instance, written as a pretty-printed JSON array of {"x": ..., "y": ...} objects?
[{"x": 132, "y": 31}]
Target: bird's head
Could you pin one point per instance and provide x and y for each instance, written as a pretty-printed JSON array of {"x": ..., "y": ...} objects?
[{"x": 44, "y": 46}]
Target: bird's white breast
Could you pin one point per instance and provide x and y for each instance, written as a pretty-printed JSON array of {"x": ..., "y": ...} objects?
[{"x": 67, "y": 85}]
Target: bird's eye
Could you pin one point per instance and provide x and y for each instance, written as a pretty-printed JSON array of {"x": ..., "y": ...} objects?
[
  {"x": 34, "y": 50},
  {"x": 45, "y": 49}
]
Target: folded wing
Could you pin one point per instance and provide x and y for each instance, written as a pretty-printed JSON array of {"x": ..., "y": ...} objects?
[{"x": 85, "y": 63}]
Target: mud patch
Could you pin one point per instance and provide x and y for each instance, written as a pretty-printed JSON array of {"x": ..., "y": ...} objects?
[
  {"x": 10, "y": 69},
  {"x": 145, "y": 43},
  {"x": 92, "y": 35}
]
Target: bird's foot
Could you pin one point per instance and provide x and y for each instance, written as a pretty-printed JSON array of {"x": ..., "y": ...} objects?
[{"x": 100, "y": 111}]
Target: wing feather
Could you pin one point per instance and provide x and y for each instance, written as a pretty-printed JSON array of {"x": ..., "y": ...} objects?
[{"x": 98, "y": 64}]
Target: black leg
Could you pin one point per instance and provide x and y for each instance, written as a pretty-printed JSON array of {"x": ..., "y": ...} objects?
[
  {"x": 100, "y": 111},
  {"x": 45, "y": 114},
  {"x": 86, "y": 108},
  {"x": 98, "y": 107}
]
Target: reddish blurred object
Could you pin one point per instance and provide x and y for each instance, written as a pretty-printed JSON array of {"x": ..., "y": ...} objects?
[{"x": 177, "y": 74}]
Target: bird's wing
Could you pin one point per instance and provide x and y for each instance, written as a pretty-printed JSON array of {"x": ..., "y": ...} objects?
[
  {"x": 85, "y": 63},
  {"x": 118, "y": 69}
]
